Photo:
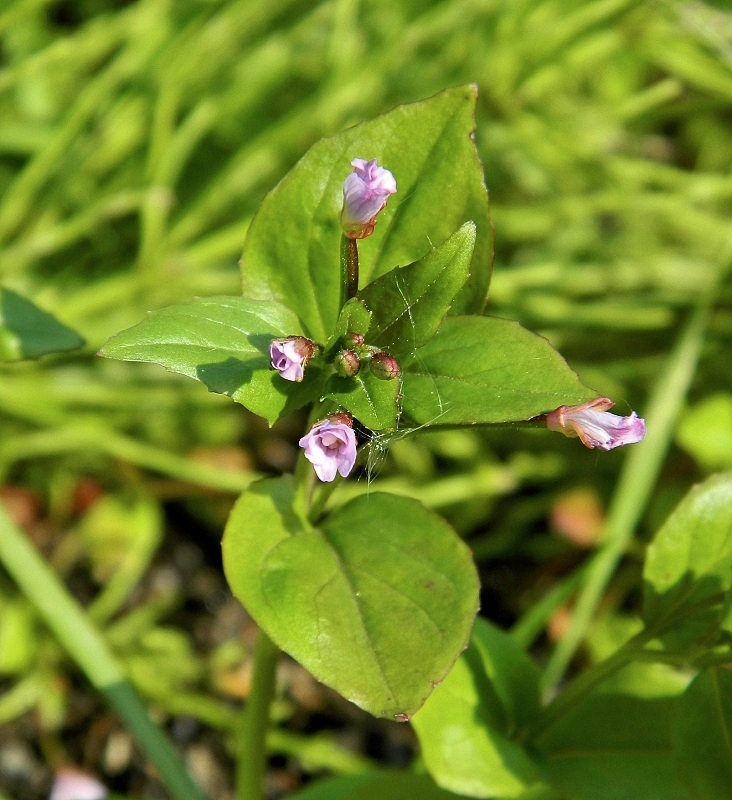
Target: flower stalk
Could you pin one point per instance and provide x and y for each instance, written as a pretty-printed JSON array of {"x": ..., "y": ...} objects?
[{"x": 349, "y": 269}]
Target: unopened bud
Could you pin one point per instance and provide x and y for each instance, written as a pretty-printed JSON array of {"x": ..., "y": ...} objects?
[
  {"x": 347, "y": 364},
  {"x": 353, "y": 340},
  {"x": 384, "y": 367}
]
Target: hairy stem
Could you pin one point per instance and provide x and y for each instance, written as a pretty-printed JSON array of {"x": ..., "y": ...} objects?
[{"x": 349, "y": 269}]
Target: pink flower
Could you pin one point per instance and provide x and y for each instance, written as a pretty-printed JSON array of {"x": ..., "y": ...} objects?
[
  {"x": 330, "y": 447},
  {"x": 365, "y": 192},
  {"x": 595, "y": 426},
  {"x": 72, "y": 784},
  {"x": 290, "y": 356}
]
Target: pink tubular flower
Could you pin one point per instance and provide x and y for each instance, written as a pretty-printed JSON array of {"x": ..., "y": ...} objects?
[
  {"x": 72, "y": 784},
  {"x": 595, "y": 426},
  {"x": 330, "y": 447},
  {"x": 365, "y": 192},
  {"x": 290, "y": 356}
]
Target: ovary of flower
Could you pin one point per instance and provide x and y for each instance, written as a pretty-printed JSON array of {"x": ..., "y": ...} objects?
[
  {"x": 365, "y": 192},
  {"x": 330, "y": 447},
  {"x": 290, "y": 357},
  {"x": 595, "y": 426}
]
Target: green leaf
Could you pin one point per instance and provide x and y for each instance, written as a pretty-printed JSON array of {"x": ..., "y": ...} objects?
[
  {"x": 377, "y": 602},
  {"x": 703, "y": 743},
  {"x": 375, "y": 786},
  {"x": 465, "y": 727},
  {"x": 705, "y": 431},
  {"x": 27, "y": 331},
  {"x": 354, "y": 318},
  {"x": 371, "y": 400},
  {"x": 224, "y": 343},
  {"x": 614, "y": 746},
  {"x": 292, "y": 250},
  {"x": 409, "y": 303},
  {"x": 482, "y": 370},
  {"x": 689, "y": 564}
]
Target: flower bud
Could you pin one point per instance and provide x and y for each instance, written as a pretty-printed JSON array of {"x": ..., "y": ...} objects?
[
  {"x": 365, "y": 192},
  {"x": 290, "y": 356},
  {"x": 330, "y": 447},
  {"x": 384, "y": 367},
  {"x": 595, "y": 426},
  {"x": 347, "y": 364},
  {"x": 353, "y": 340}
]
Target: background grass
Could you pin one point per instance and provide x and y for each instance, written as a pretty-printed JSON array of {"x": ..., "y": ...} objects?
[{"x": 136, "y": 141}]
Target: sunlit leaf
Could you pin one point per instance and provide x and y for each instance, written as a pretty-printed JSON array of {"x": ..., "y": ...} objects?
[
  {"x": 688, "y": 566},
  {"x": 224, "y": 343},
  {"x": 409, "y": 303},
  {"x": 480, "y": 370},
  {"x": 465, "y": 727},
  {"x": 292, "y": 250},
  {"x": 376, "y": 602}
]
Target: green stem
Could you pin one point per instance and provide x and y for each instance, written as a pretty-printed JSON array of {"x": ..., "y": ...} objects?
[
  {"x": 349, "y": 269},
  {"x": 637, "y": 479},
  {"x": 251, "y": 763},
  {"x": 88, "y": 649}
]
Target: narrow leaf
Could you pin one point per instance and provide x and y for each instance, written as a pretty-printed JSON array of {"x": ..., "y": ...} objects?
[
  {"x": 376, "y": 603},
  {"x": 27, "y": 331},
  {"x": 409, "y": 303},
  {"x": 291, "y": 253},
  {"x": 482, "y": 370},
  {"x": 224, "y": 343}
]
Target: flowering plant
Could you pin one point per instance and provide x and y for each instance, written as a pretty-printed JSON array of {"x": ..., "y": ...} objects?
[{"x": 369, "y": 315}]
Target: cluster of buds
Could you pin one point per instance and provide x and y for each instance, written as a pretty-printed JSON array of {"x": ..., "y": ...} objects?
[
  {"x": 330, "y": 445},
  {"x": 595, "y": 426}
]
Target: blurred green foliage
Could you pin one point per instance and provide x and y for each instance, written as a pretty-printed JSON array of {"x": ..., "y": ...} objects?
[{"x": 136, "y": 142}]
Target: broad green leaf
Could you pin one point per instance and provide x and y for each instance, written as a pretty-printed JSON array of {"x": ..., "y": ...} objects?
[
  {"x": 224, "y": 343},
  {"x": 377, "y": 602},
  {"x": 292, "y": 250},
  {"x": 372, "y": 401},
  {"x": 614, "y": 746},
  {"x": 465, "y": 727},
  {"x": 689, "y": 564},
  {"x": 376, "y": 786},
  {"x": 27, "y": 331},
  {"x": 482, "y": 370},
  {"x": 409, "y": 303},
  {"x": 704, "y": 735}
]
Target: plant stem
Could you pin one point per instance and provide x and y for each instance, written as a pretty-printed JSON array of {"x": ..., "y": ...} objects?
[
  {"x": 88, "y": 649},
  {"x": 349, "y": 269},
  {"x": 250, "y": 769},
  {"x": 637, "y": 479}
]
